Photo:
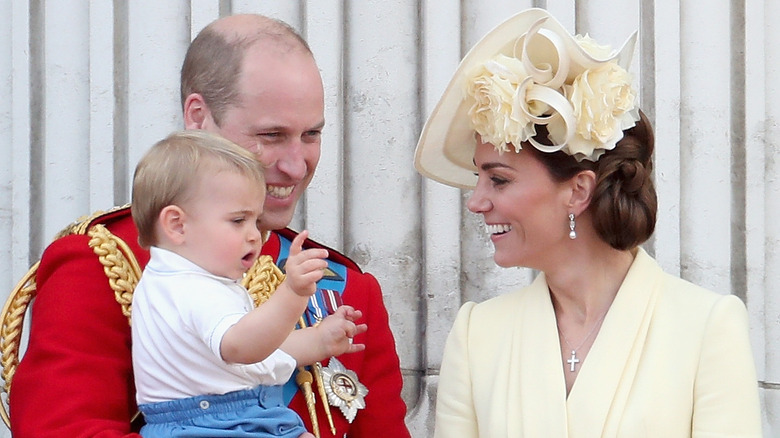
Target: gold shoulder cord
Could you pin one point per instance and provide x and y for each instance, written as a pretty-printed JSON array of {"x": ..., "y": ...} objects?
[
  {"x": 119, "y": 265},
  {"x": 13, "y": 323},
  {"x": 262, "y": 279}
]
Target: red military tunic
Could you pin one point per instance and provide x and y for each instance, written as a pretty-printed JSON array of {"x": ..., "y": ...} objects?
[{"x": 76, "y": 378}]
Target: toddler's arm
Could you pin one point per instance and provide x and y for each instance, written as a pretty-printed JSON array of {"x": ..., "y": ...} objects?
[{"x": 261, "y": 331}]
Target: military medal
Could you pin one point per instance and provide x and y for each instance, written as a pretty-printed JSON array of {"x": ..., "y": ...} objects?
[{"x": 343, "y": 388}]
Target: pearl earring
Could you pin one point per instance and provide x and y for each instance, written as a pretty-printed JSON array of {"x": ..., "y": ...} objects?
[{"x": 572, "y": 233}]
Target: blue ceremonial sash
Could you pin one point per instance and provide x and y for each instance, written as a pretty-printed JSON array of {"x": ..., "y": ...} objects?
[{"x": 324, "y": 302}]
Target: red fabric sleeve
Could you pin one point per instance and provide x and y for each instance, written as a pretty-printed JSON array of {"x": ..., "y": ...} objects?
[
  {"x": 75, "y": 379},
  {"x": 377, "y": 368}
]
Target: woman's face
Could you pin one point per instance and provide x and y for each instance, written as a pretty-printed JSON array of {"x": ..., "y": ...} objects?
[{"x": 525, "y": 210}]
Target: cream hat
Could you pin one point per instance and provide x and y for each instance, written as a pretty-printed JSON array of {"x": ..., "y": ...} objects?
[{"x": 529, "y": 71}]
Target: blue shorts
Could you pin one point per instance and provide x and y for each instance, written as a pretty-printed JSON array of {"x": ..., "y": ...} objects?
[{"x": 258, "y": 412}]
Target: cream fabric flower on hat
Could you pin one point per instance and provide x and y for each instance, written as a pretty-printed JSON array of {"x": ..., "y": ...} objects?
[
  {"x": 585, "y": 108},
  {"x": 604, "y": 105},
  {"x": 498, "y": 88}
]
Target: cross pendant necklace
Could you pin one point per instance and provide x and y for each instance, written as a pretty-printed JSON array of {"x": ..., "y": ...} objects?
[{"x": 573, "y": 361}]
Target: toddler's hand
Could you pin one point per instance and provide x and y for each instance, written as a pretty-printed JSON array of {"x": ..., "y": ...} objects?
[
  {"x": 337, "y": 330},
  {"x": 304, "y": 267}
]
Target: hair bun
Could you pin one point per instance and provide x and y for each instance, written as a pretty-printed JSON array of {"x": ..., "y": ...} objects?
[{"x": 633, "y": 175}]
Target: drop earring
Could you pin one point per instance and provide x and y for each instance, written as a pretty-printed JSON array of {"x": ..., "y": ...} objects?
[{"x": 572, "y": 233}]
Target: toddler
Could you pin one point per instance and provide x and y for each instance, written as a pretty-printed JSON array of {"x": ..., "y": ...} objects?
[{"x": 207, "y": 362}]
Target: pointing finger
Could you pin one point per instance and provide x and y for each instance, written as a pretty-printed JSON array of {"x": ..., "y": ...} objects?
[{"x": 297, "y": 244}]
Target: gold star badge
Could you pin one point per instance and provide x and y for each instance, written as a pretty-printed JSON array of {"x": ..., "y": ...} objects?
[{"x": 343, "y": 389}]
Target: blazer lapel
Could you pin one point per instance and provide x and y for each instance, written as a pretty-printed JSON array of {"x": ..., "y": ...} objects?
[
  {"x": 540, "y": 394},
  {"x": 598, "y": 397}
]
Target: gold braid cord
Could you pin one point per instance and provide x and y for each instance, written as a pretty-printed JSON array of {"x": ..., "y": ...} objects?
[
  {"x": 119, "y": 265},
  {"x": 262, "y": 279},
  {"x": 11, "y": 333}
]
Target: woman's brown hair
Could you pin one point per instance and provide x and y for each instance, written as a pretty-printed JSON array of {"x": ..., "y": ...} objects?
[{"x": 624, "y": 204}]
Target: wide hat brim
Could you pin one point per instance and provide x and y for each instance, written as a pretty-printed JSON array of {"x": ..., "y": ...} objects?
[{"x": 445, "y": 150}]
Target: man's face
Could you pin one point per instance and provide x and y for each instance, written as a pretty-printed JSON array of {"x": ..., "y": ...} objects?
[{"x": 279, "y": 117}]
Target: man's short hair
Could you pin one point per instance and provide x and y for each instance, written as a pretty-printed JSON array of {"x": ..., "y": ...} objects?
[{"x": 212, "y": 65}]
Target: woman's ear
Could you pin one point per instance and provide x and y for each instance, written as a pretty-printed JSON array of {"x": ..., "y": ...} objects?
[
  {"x": 583, "y": 185},
  {"x": 171, "y": 223}
]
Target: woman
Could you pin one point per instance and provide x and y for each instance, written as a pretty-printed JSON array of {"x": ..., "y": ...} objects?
[{"x": 545, "y": 129}]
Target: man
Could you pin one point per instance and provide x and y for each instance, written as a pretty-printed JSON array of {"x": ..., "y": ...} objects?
[{"x": 253, "y": 80}]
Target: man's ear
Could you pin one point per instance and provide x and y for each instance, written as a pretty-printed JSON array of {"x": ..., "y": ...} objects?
[
  {"x": 196, "y": 112},
  {"x": 583, "y": 185},
  {"x": 172, "y": 224}
]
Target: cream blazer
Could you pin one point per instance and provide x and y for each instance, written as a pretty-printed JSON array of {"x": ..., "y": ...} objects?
[{"x": 671, "y": 360}]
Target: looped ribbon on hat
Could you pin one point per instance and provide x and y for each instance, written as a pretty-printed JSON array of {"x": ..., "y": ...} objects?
[{"x": 541, "y": 85}]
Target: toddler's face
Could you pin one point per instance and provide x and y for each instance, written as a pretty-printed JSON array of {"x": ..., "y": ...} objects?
[{"x": 221, "y": 224}]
